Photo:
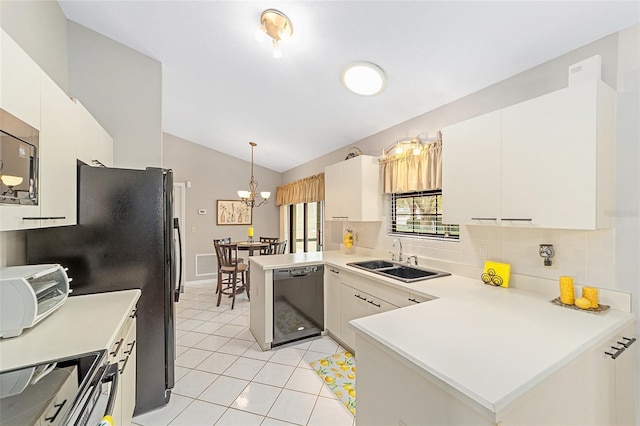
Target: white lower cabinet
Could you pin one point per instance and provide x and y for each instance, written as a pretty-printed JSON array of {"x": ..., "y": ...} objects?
[
  {"x": 123, "y": 352},
  {"x": 593, "y": 389},
  {"x": 358, "y": 304},
  {"x": 332, "y": 300},
  {"x": 350, "y": 297}
]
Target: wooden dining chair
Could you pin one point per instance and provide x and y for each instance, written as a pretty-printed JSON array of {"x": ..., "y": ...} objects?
[
  {"x": 279, "y": 247},
  {"x": 266, "y": 249},
  {"x": 235, "y": 272},
  {"x": 226, "y": 240}
]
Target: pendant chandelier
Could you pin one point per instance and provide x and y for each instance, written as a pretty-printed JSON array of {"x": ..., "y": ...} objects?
[{"x": 249, "y": 197}]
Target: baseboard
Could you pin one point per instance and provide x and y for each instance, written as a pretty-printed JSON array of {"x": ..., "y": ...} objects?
[{"x": 201, "y": 282}]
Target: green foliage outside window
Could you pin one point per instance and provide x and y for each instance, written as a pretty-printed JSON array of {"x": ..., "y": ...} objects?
[{"x": 420, "y": 213}]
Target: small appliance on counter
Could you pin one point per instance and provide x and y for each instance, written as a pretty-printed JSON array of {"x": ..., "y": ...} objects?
[{"x": 29, "y": 294}]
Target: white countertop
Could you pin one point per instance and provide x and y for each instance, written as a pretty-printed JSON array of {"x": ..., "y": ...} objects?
[
  {"x": 83, "y": 324},
  {"x": 284, "y": 260},
  {"x": 490, "y": 344}
]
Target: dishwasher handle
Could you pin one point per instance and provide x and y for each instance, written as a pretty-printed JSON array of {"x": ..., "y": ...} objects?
[{"x": 302, "y": 271}]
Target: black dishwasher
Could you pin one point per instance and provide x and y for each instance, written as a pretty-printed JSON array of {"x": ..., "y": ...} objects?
[{"x": 298, "y": 303}]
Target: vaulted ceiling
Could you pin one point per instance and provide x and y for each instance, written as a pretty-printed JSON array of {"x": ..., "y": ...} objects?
[{"x": 222, "y": 89}]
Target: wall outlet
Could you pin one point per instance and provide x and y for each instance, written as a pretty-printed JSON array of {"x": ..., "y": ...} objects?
[{"x": 482, "y": 251}]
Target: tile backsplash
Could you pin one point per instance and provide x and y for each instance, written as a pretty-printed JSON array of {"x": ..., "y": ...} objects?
[{"x": 588, "y": 256}]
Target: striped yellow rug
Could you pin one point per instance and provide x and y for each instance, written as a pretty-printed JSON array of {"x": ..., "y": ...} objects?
[{"x": 339, "y": 373}]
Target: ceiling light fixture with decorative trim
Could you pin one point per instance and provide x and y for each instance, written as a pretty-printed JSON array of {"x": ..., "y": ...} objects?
[
  {"x": 364, "y": 78},
  {"x": 275, "y": 25},
  {"x": 249, "y": 197}
]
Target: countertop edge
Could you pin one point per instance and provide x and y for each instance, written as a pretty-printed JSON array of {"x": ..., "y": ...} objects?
[{"x": 81, "y": 325}]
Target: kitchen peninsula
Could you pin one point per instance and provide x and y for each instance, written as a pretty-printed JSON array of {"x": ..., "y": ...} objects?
[{"x": 471, "y": 354}]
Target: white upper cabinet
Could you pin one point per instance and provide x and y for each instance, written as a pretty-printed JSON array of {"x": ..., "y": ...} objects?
[
  {"x": 58, "y": 174},
  {"x": 20, "y": 82},
  {"x": 471, "y": 170},
  {"x": 546, "y": 163},
  {"x": 352, "y": 190},
  {"x": 94, "y": 145},
  {"x": 65, "y": 128},
  {"x": 558, "y": 150}
]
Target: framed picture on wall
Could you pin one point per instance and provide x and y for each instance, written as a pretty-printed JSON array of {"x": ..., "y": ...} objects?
[{"x": 233, "y": 212}]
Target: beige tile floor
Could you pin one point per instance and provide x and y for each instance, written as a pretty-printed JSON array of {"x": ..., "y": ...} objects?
[{"x": 223, "y": 378}]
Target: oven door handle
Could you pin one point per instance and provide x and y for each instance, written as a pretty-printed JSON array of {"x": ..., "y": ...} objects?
[{"x": 112, "y": 375}]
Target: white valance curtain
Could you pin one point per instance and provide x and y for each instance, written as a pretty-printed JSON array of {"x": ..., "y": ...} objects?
[{"x": 408, "y": 172}]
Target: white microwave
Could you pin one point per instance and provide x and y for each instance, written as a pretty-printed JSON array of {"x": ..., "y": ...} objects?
[{"x": 29, "y": 294}]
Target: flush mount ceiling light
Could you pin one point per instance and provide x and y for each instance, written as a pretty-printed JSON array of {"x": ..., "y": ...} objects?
[
  {"x": 249, "y": 197},
  {"x": 275, "y": 25},
  {"x": 364, "y": 78}
]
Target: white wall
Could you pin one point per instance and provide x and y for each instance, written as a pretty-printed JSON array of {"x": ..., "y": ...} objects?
[{"x": 122, "y": 89}]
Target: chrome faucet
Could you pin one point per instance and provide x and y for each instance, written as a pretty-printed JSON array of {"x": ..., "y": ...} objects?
[{"x": 400, "y": 259}]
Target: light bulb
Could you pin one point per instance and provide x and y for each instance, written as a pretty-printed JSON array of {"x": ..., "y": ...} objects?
[{"x": 261, "y": 34}]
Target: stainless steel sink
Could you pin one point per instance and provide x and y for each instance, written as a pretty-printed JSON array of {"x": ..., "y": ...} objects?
[
  {"x": 372, "y": 264},
  {"x": 398, "y": 271}
]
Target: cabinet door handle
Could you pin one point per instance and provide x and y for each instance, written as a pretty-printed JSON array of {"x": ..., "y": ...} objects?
[
  {"x": 44, "y": 218},
  {"x": 115, "y": 351},
  {"x": 132, "y": 345},
  {"x": 377, "y": 305},
  {"x": 629, "y": 342},
  {"x": 360, "y": 297},
  {"x": 411, "y": 299},
  {"x": 518, "y": 219},
  {"x": 123, "y": 365},
  {"x": 59, "y": 407},
  {"x": 133, "y": 313},
  {"x": 335, "y": 272},
  {"x": 618, "y": 352},
  {"x": 484, "y": 218}
]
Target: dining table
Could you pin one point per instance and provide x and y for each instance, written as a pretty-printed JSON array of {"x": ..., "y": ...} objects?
[{"x": 251, "y": 246}]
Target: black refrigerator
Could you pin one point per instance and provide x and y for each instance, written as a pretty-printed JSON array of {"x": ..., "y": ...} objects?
[{"x": 125, "y": 240}]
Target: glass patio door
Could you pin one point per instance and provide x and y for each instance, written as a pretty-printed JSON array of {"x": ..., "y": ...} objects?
[{"x": 305, "y": 227}]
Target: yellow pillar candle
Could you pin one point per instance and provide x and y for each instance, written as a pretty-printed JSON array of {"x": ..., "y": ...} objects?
[
  {"x": 591, "y": 294},
  {"x": 567, "y": 295},
  {"x": 250, "y": 232}
]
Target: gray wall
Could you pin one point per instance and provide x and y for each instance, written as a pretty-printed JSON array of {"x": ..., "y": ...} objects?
[
  {"x": 40, "y": 28},
  {"x": 122, "y": 89},
  {"x": 216, "y": 176}
]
